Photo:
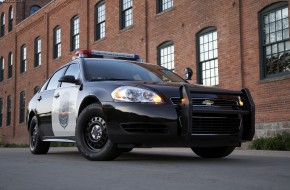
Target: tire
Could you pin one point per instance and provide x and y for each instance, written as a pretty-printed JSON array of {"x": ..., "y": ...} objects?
[
  {"x": 213, "y": 152},
  {"x": 91, "y": 135},
  {"x": 37, "y": 146}
]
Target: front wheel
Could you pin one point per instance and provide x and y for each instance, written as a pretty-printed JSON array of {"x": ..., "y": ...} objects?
[
  {"x": 213, "y": 152},
  {"x": 37, "y": 146},
  {"x": 91, "y": 135}
]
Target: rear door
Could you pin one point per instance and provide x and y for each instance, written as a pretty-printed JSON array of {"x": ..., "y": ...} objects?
[{"x": 44, "y": 103}]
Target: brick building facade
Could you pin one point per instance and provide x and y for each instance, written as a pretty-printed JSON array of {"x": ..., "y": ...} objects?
[{"x": 229, "y": 44}]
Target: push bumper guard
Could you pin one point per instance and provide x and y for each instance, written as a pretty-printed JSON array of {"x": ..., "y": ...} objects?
[{"x": 247, "y": 129}]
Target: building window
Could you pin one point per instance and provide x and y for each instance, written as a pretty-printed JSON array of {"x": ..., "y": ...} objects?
[
  {"x": 8, "y": 116},
  {"x": 36, "y": 89},
  {"x": 126, "y": 13},
  {"x": 10, "y": 65},
  {"x": 23, "y": 61},
  {"x": 34, "y": 9},
  {"x": 22, "y": 107},
  {"x": 274, "y": 40},
  {"x": 100, "y": 20},
  {"x": 75, "y": 33},
  {"x": 163, "y": 5},
  {"x": 1, "y": 69},
  {"x": 56, "y": 42},
  {"x": 37, "y": 52},
  {"x": 10, "y": 24},
  {"x": 166, "y": 55},
  {"x": 1, "y": 112},
  {"x": 207, "y": 49},
  {"x": 2, "y": 25}
]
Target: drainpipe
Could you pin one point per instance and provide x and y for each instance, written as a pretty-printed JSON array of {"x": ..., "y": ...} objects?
[
  {"x": 88, "y": 23},
  {"x": 146, "y": 32},
  {"x": 47, "y": 45},
  {"x": 15, "y": 54},
  {"x": 241, "y": 44}
]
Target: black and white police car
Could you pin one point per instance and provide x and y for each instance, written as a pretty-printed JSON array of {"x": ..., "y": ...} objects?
[{"x": 109, "y": 103}]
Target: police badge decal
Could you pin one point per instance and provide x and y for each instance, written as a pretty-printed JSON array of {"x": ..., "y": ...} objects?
[{"x": 64, "y": 110}]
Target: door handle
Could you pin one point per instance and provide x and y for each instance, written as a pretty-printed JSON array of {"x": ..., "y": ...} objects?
[
  {"x": 40, "y": 98},
  {"x": 57, "y": 95}
]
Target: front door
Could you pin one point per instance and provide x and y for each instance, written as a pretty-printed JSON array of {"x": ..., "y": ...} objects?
[{"x": 64, "y": 111}]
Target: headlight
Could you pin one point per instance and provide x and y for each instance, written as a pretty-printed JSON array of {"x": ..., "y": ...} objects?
[{"x": 135, "y": 94}]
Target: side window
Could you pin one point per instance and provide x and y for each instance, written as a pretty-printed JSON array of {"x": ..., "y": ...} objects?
[
  {"x": 53, "y": 83},
  {"x": 36, "y": 90},
  {"x": 72, "y": 70}
]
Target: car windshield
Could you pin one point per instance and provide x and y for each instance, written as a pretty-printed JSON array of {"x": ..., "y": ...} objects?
[{"x": 98, "y": 70}]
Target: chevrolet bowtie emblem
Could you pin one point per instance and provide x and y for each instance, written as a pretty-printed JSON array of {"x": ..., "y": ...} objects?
[{"x": 208, "y": 102}]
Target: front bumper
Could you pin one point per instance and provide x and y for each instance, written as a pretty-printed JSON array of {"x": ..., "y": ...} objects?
[{"x": 172, "y": 126}]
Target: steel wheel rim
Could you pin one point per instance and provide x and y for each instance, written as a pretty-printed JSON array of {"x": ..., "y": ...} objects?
[
  {"x": 95, "y": 134},
  {"x": 34, "y": 136}
]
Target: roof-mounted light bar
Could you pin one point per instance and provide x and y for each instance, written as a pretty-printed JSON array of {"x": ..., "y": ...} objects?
[{"x": 105, "y": 54}]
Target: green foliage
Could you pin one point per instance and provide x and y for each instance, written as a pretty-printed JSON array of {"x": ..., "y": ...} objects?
[
  {"x": 53, "y": 144},
  {"x": 60, "y": 144},
  {"x": 13, "y": 145},
  {"x": 279, "y": 142}
]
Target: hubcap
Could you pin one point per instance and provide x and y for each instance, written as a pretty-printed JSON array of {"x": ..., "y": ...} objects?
[
  {"x": 96, "y": 133},
  {"x": 34, "y": 137}
]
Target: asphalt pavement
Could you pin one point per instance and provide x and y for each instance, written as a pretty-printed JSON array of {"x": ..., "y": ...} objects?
[{"x": 144, "y": 169}]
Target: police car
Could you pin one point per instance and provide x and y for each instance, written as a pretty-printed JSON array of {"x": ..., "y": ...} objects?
[{"x": 109, "y": 103}]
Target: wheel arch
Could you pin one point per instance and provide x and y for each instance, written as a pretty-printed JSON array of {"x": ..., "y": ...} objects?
[
  {"x": 87, "y": 101},
  {"x": 30, "y": 116}
]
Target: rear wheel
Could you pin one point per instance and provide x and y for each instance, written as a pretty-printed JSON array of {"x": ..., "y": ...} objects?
[
  {"x": 37, "y": 146},
  {"x": 91, "y": 135},
  {"x": 213, "y": 152}
]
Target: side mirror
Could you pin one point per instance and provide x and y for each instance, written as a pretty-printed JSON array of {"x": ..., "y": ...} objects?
[
  {"x": 188, "y": 73},
  {"x": 68, "y": 79}
]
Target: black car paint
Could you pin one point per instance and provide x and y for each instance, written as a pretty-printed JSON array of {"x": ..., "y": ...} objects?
[{"x": 121, "y": 113}]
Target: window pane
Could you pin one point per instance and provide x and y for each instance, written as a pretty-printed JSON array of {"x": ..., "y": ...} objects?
[
  {"x": 208, "y": 58},
  {"x": 276, "y": 43},
  {"x": 74, "y": 71},
  {"x": 53, "y": 83},
  {"x": 166, "y": 4},
  {"x": 167, "y": 57},
  {"x": 127, "y": 13}
]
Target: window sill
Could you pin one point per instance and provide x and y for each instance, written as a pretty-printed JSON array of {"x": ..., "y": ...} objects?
[
  {"x": 22, "y": 123},
  {"x": 165, "y": 11},
  {"x": 73, "y": 51},
  {"x": 35, "y": 68},
  {"x": 23, "y": 73},
  {"x": 10, "y": 78},
  {"x": 127, "y": 28},
  {"x": 56, "y": 58},
  {"x": 100, "y": 40},
  {"x": 273, "y": 79}
]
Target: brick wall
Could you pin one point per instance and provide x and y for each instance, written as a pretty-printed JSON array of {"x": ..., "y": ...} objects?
[{"x": 238, "y": 47}]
